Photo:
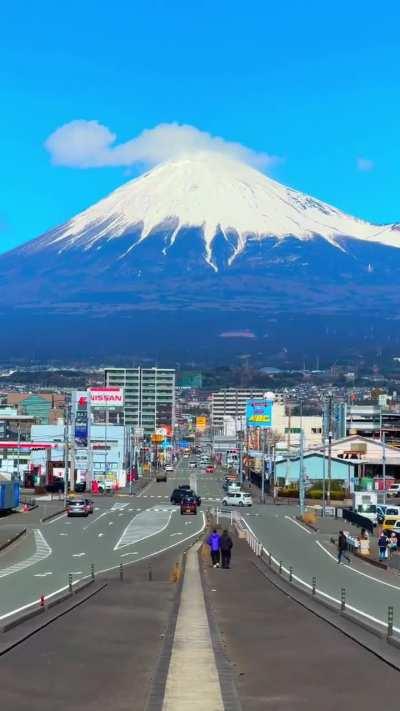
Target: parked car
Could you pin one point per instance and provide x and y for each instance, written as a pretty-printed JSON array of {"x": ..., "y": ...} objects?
[
  {"x": 188, "y": 505},
  {"x": 393, "y": 490},
  {"x": 210, "y": 469},
  {"x": 179, "y": 494},
  {"x": 390, "y": 524},
  {"x": 192, "y": 465},
  {"x": 77, "y": 507},
  {"x": 237, "y": 498},
  {"x": 386, "y": 510},
  {"x": 169, "y": 468}
]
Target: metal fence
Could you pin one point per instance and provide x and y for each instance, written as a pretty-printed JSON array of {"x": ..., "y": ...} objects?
[{"x": 384, "y": 627}]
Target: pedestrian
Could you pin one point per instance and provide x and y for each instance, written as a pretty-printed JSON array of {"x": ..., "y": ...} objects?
[
  {"x": 214, "y": 541},
  {"x": 342, "y": 545},
  {"x": 226, "y": 549},
  {"x": 393, "y": 543},
  {"x": 382, "y": 545}
]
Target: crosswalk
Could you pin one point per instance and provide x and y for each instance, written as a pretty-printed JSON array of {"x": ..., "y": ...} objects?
[{"x": 42, "y": 551}]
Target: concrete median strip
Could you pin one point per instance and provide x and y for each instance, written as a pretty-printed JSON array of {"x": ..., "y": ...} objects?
[{"x": 192, "y": 651}]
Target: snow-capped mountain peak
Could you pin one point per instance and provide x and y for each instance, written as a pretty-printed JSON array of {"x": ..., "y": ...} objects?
[{"x": 218, "y": 195}]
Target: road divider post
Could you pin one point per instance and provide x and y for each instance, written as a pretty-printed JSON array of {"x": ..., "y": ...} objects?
[
  {"x": 314, "y": 585},
  {"x": 291, "y": 574},
  {"x": 343, "y": 599},
  {"x": 390, "y": 617},
  {"x": 70, "y": 582},
  {"x": 121, "y": 571},
  {"x": 92, "y": 573}
]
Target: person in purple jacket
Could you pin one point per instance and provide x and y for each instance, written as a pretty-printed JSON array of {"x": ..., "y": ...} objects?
[{"x": 214, "y": 541}]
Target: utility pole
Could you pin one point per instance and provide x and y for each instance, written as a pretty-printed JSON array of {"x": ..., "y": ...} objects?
[
  {"x": 323, "y": 475},
  {"x": 384, "y": 465},
  {"x": 262, "y": 432},
  {"x": 66, "y": 450},
  {"x": 301, "y": 475},
  {"x": 329, "y": 448}
]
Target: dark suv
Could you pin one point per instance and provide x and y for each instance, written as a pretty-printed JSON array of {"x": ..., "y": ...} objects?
[{"x": 179, "y": 494}]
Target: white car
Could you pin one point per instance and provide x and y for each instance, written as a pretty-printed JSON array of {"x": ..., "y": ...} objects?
[
  {"x": 169, "y": 468},
  {"x": 394, "y": 490},
  {"x": 237, "y": 498}
]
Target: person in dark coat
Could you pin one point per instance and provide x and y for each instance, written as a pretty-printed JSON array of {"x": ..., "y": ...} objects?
[
  {"x": 226, "y": 549},
  {"x": 342, "y": 546}
]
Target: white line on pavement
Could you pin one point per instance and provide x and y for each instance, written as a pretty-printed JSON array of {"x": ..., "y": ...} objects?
[
  {"x": 42, "y": 552},
  {"x": 106, "y": 570},
  {"x": 42, "y": 575},
  {"x": 144, "y": 526},
  {"x": 383, "y": 623},
  {"x": 99, "y": 535},
  {"x": 105, "y": 513},
  {"x": 78, "y": 555},
  {"x": 124, "y": 555},
  {"x": 292, "y": 520},
  {"x": 63, "y": 534},
  {"x": 56, "y": 518},
  {"x": 359, "y": 572}
]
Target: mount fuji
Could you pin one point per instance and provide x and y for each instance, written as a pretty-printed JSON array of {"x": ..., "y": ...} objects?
[{"x": 207, "y": 239}]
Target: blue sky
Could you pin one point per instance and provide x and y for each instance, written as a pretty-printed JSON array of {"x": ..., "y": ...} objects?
[{"x": 314, "y": 83}]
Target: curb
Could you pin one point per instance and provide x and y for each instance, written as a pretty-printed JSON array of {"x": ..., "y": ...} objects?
[
  {"x": 7, "y": 647},
  {"x": 52, "y": 515},
  {"x": 13, "y": 539}
]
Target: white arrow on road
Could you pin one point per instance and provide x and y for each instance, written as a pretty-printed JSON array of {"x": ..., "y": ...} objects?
[
  {"x": 78, "y": 555},
  {"x": 42, "y": 575}
]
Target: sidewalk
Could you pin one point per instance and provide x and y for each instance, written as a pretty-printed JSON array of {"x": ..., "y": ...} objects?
[{"x": 284, "y": 657}]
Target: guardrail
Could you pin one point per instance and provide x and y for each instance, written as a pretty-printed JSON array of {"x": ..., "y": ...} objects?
[{"x": 383, "y": 627}]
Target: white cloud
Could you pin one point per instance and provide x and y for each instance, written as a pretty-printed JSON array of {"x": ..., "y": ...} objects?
[
  {"x": 365, "y": 165},
  {"x": 89, "y": 144}
]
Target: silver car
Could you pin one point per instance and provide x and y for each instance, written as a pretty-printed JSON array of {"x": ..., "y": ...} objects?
[{"x": 77, "y": 507}]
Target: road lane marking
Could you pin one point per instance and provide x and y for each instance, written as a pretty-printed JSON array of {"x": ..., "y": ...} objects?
[
  {"x": 303, "y": 528},
  {"x": 175, "y": 534},
  {"x": 99, "y": 535},
  {"x": 124, "y": 555},
  {"x": 42, "y": 575},
  {"x": 105, "y": 513},
  {"x": 111, "y": 523},
  {"x": 147, "y": 524},
  {"x": 78, "y": 555},
  {"x": 118, "y": 506},
  {"x": 6, "y": 615},
  {"x": 63, "y": 534},
  {"x": 383, "y": 623},
  {"x": 359, "y": 572},
  {"x": 56, "y": 518},
  {"x": 42, "y": 552}
]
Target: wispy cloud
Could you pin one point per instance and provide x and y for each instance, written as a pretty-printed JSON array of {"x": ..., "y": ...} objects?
[
  {"x": 89, "y": 144},
  {"x": 365, "y": 165}
]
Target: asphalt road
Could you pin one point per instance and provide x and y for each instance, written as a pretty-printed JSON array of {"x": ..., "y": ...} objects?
[
  {"x": 369, "y": 590},
  {"x": 122, "y": 528}
]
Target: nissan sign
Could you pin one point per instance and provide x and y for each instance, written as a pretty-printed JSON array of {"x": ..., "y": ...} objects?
[{"x": 106, "y": 397}]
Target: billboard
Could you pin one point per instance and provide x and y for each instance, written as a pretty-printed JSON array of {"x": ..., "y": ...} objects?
[
  {"x": 259, "y": 413},
  {"x": 109, "y": 396},
  {"x": 201, "y": 422}
]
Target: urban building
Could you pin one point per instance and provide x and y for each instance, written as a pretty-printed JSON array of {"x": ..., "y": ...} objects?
[
  {"x": 149, "y": 396},
  {"x": 44, "y": 407},
  {"x": 230, "y": 402}
]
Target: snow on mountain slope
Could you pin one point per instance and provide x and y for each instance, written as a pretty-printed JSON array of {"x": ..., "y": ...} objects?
[{"x": 215, "y": 193}]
